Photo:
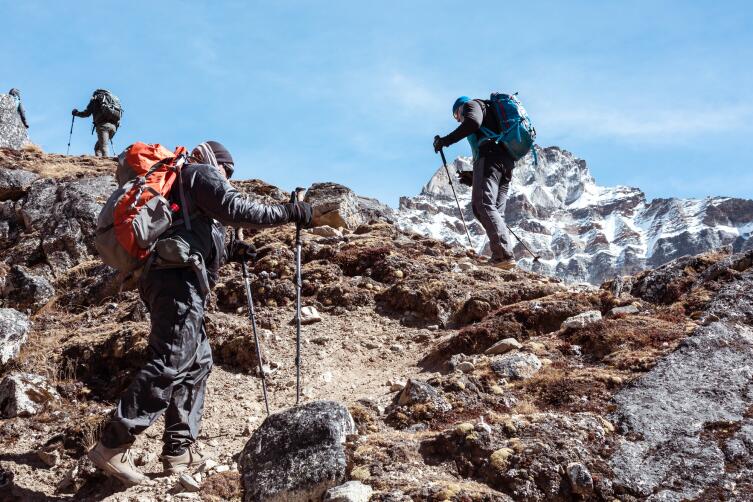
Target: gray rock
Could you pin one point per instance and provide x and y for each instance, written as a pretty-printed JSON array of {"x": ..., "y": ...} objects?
[
  {"x": 420, "y": 392},
  {"x": 580, "y": 478},
  {"x": 465, "y": 367},
  {"x": 708, "y": 379},
  {"x": 339, "y": 207},
  {"x": 83, "y": 471},
  {"x": 26, "y": 290},
  {"x": 188, "y": 483},
  {"x": 65, "y": 215},
  {"x": 516, "y": 366},
  {"x": 373, "y": 210},
  {"x": 14, "y": 329},
  {"x": 24, "y": 394},
  {"x": 13, "y": 134},
  {"x": 352, "y": 491},
  {"x": 297, "y": 454},
  {"x": 334, "y": 205},
  {"x": 626, "y": 310},
  {"x": 14, "y": 183},
  {"x": 326, "y": 231},
  {"x": 581, "y": 320},
  {"x": 734, "y": 302},
  {"x": 504, "y": 346},
  {"x": 309, "y": 315}
]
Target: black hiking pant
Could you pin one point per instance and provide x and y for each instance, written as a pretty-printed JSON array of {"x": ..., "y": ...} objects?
[
  {"x": 174, "y": 378},
  {"x": 492, "y": 173}
]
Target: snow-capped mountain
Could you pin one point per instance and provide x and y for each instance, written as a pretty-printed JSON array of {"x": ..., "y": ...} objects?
[{"x": 583, "y": 232}]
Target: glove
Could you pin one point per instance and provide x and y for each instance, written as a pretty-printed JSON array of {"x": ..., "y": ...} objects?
[
  {"x": 242, "y": 251},
  {"x": 301, "y": 213},
  {"x": 438, "y": 144},
  {"x": 466, "y": 178},
  {"x": 75, "y": 111}
]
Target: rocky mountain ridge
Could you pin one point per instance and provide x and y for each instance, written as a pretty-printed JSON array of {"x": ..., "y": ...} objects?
[
  {"x": 582, "y": 231},
  {"x": 428, "y": 376}
]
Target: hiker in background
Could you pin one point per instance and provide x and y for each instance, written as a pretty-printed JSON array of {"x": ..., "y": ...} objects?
[
  {"x": 174, "y": 378},
  {"x": 106, "y": 110},
  {"x": 492, "y": 172},
  {"x": 20, "y": 107}
]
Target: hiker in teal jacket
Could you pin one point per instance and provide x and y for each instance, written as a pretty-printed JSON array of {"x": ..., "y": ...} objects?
[{"x": 492, "y": 172}]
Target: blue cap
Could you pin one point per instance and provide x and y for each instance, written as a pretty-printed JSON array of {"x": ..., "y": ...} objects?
[{"x": 459, "y": 102}]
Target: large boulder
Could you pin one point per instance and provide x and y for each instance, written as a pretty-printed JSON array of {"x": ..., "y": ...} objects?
[
  {"x": 64, "y": 214},
  {"x": 516, "y": 365},
  {"x": 14, "y": 183},
  {"x": 420, "y": 392},
  {"x": 334, "y": 205},
  {"x": 24, "y": 394},
  {"x": 13, "y": 134},
  {"x": 672, "y": 416},
  {"x": 14, "y": 329},
  {"x": 298, "y": 454},
  {"x": 338, "y": 206},
  {"x": 27, "y": 290}
]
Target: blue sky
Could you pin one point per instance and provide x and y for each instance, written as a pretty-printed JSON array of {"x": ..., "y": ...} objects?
[{"x": 655, "y": 94}]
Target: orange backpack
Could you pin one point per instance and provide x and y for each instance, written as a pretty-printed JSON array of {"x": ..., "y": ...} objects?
[{"x": 138, "y": 212}]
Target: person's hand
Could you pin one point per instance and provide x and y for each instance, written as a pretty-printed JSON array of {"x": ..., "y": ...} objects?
[
  {"x": 301, "y": 213},
  {"x": 74, "y": 111},
  {"x": 242, "y": 251},
  {"x": 438, "y": 144},
  {"x": 466, "y": 178}
]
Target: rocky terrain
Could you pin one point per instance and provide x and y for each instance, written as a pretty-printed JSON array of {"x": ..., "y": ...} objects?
[
  {"x": 12, "y": 131},
  {"x": 427, "y": 375},
  {"x": 582, "y": 231}
]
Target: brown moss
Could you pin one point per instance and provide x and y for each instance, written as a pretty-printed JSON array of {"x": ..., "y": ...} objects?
[
  {"x": 636, "y": 333},
  {"x": 225, "y": 486},
  {"x": 520, "y": 321}
]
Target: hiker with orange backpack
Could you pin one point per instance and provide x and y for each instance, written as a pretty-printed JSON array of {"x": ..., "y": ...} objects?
[
  {"x": 500, "y": 133},
  {"x": 179, "y": 237}
]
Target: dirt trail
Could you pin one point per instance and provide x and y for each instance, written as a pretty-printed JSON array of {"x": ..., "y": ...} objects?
[{"x": 345, "y": 358}]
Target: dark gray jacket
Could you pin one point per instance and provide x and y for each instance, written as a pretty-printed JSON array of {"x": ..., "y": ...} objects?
[
  {"x": 212, "y": 202},
  {"x": 475, "y": 114},
  {"x": 93, "y": 109},
  {"x": 22, "y": 112}
]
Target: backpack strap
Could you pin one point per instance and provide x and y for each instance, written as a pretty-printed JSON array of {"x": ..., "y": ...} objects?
[{"x": 182, "y": 194}]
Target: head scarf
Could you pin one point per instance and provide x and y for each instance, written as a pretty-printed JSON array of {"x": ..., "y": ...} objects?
[{"x": 213, "y": 154}]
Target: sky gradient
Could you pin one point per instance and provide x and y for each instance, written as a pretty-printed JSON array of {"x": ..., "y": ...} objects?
[{"x": 654, "y": 94}]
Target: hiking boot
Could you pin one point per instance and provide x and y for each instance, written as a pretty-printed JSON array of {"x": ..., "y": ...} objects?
[
  {"x": 117, "y": 462},
  {"x": 505, "y": 264},
  {"x": 174, "y": 464}
]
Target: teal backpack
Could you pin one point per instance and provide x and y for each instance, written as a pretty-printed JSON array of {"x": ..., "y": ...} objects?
[{"x": 517, "y": 132}]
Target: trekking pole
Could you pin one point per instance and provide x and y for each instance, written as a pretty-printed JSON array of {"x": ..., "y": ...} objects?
[
  {"x": 449, "y": 178},
  {"x": 70, "y": 135},
  {"x": 535, "y": 256},
  {"x": 251, "y": 315},
  {"x": 297, "y": 196}
]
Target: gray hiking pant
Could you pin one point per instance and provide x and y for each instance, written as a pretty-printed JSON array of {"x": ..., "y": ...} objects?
[
  {"x": 491, "y": 180},
  {"x": 174, "y": 378},
  {"x": 105, "y": 132}
]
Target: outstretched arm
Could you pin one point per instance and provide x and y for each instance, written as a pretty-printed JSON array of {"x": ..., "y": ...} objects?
[
  {"x": 89, "y": 110},
  {"x": 472, "y": 118},
  {"x": 217, "y": 198}
]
